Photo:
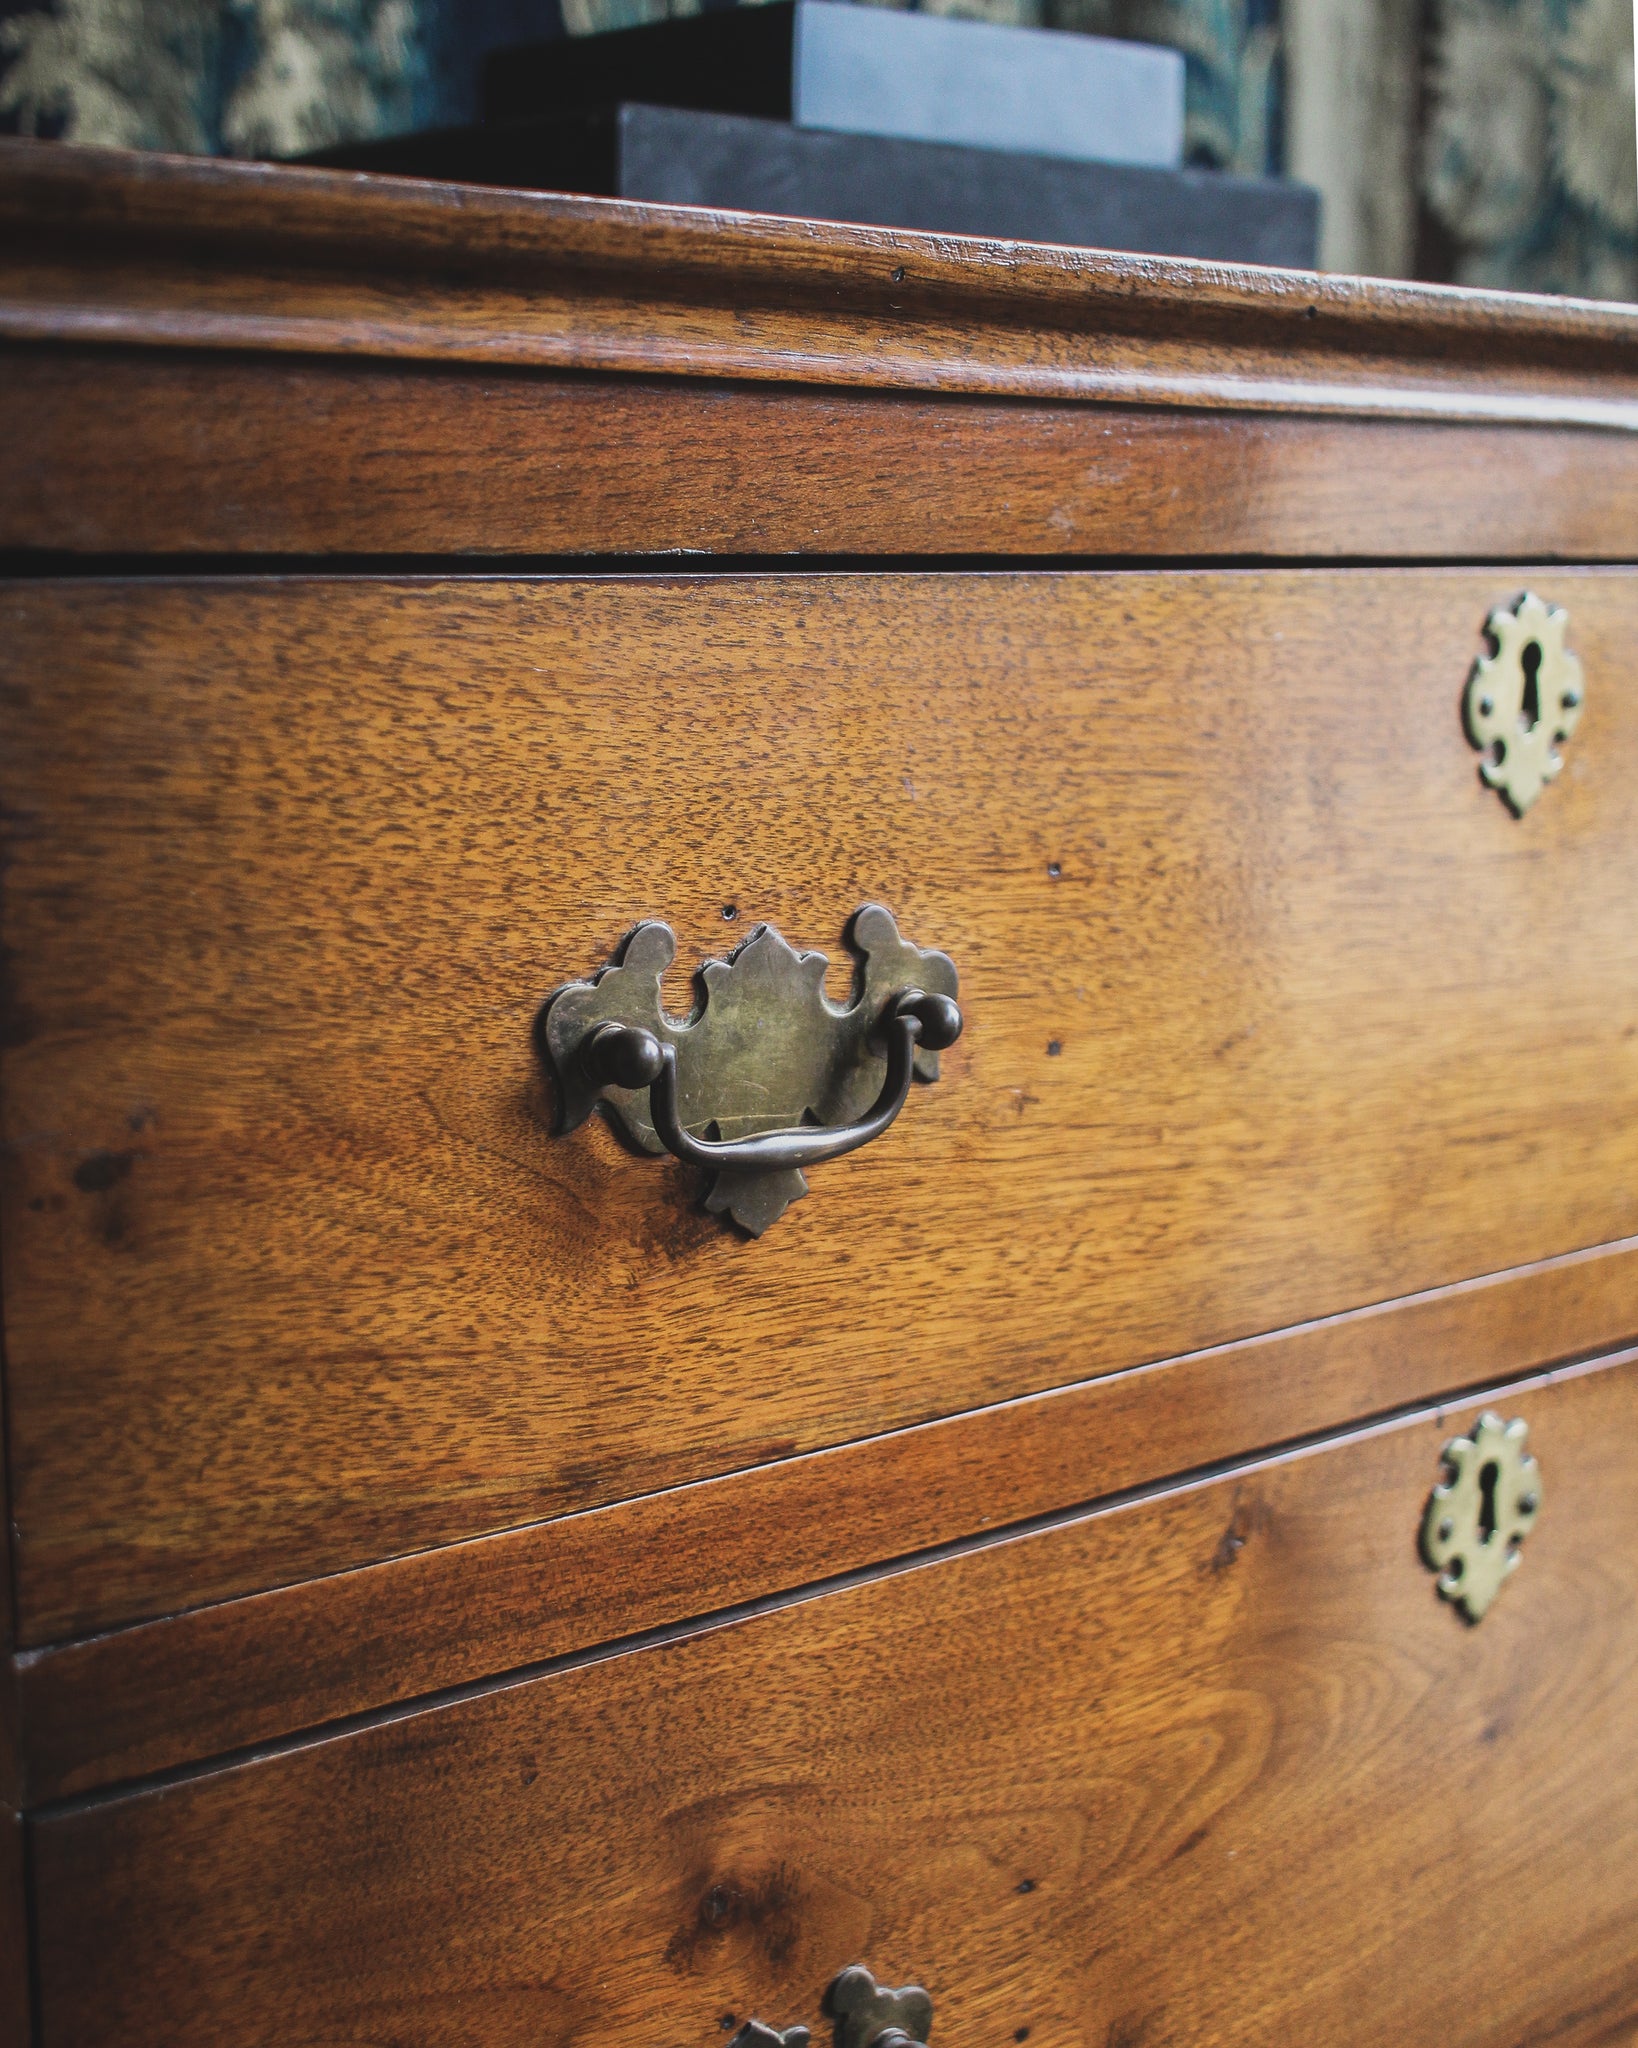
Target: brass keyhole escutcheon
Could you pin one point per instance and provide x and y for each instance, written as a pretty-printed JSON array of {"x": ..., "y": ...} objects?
[
  {"x": 1477, "y": 1518},
  {"x": 1523, "y": 700}
]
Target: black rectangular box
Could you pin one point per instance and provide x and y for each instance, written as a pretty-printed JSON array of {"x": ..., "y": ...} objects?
[
  {"x": 860, "y": 70},
  {"x": 735, "y": 60}
]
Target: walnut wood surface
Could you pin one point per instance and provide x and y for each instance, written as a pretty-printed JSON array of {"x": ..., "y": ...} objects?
[
  {"x": 297, "y": 1278},
  {"x": 164, "y": 1693},
  {"x": 141, "y": 249},
  {"x": 1220, "y": 1766},
  {"x": 122, "y": 451}
]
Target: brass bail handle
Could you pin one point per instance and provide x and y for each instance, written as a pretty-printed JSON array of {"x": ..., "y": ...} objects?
[
  {"x": 766, "y": 1074},
  {"x": 627, "y": 1056}
]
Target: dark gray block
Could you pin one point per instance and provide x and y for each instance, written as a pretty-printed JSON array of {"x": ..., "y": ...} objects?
[
  {"x": 692, "y": 159},
  {"x": 683, "y": 157}
]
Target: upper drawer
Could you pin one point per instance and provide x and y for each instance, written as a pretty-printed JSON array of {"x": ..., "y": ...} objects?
[{"x": 1272, "y": 1009}]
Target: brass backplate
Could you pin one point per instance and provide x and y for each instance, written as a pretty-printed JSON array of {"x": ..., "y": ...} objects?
[
  {"x": 872, "y": 2015},
  {"x": 764, "y": 1048},
  {"x": 1478, "y": 1517},
  {"x": 1523, "y": 700}
]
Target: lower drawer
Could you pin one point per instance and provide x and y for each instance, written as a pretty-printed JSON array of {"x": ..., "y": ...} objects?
[{"x": 1218, "y": 1765}]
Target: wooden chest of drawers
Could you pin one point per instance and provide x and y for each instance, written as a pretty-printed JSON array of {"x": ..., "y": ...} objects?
[{"x": 464, "y": 1589}]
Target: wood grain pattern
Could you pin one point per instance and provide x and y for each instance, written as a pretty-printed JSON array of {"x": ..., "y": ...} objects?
[
  {"x": 297, "y": 1278},
  {"x": 186, "y": 253},
  {"x": 120, "y": 451},
  {"x": 150, "y": 1698},
  {"x": 1220, "y": 1766}
]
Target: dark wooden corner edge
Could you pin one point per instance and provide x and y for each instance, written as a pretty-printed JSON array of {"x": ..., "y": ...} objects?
[
  {"x": 16, "y": 2002},
  {"x": 10, "y": 1705},
  {"x": 151, "y": 1697}
]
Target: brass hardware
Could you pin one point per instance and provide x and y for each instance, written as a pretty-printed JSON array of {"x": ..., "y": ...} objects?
[
  {"x": 1477, "y": 1518},
  {"x": 1523, "y": 699},
  {"x": 868, "y": 2015},
  {"x": 784, "y": 1077}
]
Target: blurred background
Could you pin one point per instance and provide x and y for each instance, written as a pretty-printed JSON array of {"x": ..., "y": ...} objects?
[{"x": 1486, "y": 142}]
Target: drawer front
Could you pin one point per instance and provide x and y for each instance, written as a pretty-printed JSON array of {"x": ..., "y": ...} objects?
[
  {"x": 1221, "y": 1765},
  {"x": 1272, "y": 1009}
]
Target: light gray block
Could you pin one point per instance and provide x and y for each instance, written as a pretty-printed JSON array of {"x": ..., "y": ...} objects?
[{"x": 929, "y": 78}]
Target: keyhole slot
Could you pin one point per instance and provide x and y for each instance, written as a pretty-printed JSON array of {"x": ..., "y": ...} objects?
[
  {"x": 1489, "y": 1474},
  {"x": 1530, "y": 705}
]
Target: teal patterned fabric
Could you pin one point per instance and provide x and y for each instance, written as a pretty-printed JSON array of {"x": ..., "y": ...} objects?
[
  {"x": 275, "y": 77},
  {"x": 1528, "y": 161},
  {"x": 243, "y": 77},
  {"x": 1231, "y": 49}
]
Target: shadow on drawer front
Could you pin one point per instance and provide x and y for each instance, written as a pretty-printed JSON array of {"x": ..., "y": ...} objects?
[
  {"x": 1221, "y": 1765},
  {"x": 1272, "y": 1008}
]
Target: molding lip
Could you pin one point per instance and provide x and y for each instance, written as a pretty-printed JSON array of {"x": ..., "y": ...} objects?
[
  {"x": 200, "y": 201},
  {"x": 872, "y": 365},
  {"x": 118, "y": 248}
]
